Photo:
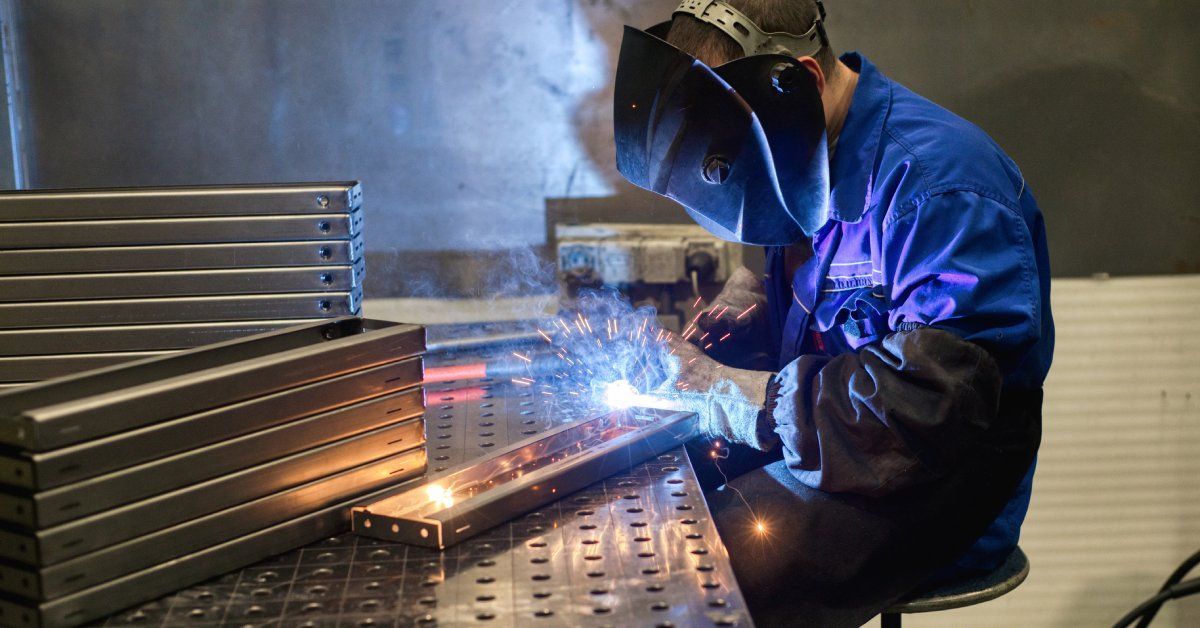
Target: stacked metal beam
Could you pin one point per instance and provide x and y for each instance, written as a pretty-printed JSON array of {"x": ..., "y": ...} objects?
[
  {"x": 90, "y": 278},
  {"x": 115, "y": 475}
]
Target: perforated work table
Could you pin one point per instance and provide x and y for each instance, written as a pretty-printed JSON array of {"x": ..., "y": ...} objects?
[{"x": 638, "y": 549}]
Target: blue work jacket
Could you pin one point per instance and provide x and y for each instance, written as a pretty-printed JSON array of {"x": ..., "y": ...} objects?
[{"x": 931, "y": 226}]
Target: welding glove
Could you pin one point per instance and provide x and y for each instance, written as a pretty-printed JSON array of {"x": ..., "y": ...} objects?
[
  {"x": 733, "y": 404},
  {"x": 735, "y": 326}
]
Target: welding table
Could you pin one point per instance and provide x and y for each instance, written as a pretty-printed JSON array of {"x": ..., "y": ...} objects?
[{"x": 634, "y": 549}]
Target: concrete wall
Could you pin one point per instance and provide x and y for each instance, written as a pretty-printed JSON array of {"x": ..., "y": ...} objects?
[{"x": 461, "y": 116}]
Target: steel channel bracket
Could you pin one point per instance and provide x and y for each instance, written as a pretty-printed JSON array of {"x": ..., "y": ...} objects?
[
  {"x": 142, "y": 232},
  {"x": 41, "y": 367},
  {"x": 165, "y": 543},
  {"x": 50, "y": 469},
  {"x": 477, "y": 496},
  {"x": 106, "y": 527},
  {"x": 208, "y": 200},
  {"x": 100, "y": 600},
  {"x": 180, "y": 257},
  {"x": 43, "y": 510},
  {"x": 180, "y": 283},
  {"x": 124, "y": 338},
  {"x": 97, "y": 403},
  {"x": 179, "y": 309}
]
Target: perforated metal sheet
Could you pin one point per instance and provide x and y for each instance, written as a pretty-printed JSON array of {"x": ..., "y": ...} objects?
[{"x": 637, "y": 548}]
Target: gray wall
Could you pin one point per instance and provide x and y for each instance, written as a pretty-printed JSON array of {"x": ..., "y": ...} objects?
[{"x": 462, "y": 116}]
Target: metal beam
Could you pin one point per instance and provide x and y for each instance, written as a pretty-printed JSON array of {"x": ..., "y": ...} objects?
[
  {"x": 118, "y": 593},
  {"x": 521, "y": 477},
  {"x": 81, "y": 536},
  {"x": 175, "y": 202},
  {"x": 179, "y": 309},
  {"x": 84, "y": 233},
  {"x": 42, "y": 367},
  {"x": 50, "y": 469},
  {"x": 114, "y": 338},
  {"x": 197, "y": 534},
  {"x": 71, "y": 410},
  {"x": 50, "y": 508},
  {"x": 180, "y": 257},
  {"x": 180, "y": 283}
]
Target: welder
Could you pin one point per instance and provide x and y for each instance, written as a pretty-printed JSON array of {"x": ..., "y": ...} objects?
[{"x": 904, "y": 310}]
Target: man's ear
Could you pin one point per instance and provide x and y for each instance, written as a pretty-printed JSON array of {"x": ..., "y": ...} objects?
[{"x": 814, "y": 68}]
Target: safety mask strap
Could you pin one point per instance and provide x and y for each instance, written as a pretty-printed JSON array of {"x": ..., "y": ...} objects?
[{"x": 752, "y": 39}]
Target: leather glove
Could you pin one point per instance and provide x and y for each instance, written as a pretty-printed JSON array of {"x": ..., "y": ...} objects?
[
  {"x": 734, "y": 327},
  {"x": 728, "y": 401}
]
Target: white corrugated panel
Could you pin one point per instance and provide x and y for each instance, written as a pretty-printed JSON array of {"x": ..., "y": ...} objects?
[{"x": 1116, "y": 499}]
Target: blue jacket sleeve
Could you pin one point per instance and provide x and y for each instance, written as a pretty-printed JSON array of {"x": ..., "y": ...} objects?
[
  {"x": 964, "y": 263},
  {"x": 908, "y": 408}
]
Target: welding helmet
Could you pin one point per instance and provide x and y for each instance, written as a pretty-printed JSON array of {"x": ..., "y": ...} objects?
[{"x": 741, "y": 146}]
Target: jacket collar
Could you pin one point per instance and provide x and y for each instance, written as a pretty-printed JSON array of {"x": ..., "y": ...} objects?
[{"x": 852, "y": 171}]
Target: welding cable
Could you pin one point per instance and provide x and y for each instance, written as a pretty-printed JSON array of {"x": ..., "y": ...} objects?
[
  {"x": 1175, "y": 578},
  {"x": 1182, "y": 589}
]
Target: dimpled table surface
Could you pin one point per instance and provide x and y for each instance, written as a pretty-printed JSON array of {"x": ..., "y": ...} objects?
[{"x": 636, "y": 549}]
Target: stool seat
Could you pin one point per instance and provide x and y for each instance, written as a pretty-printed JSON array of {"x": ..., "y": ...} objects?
[{"x": 970, "y": 591}]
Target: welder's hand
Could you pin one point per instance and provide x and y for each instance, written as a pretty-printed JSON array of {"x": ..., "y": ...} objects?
[
  {"x": 735, "y": 324},
  {"x": 728, "y": 401}
]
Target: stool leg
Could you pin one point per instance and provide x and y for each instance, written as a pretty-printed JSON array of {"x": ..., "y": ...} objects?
[{"x": 889, "y": 620}]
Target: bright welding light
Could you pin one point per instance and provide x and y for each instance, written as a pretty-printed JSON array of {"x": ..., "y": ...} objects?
[
  {"x": 440, "y": 495},
  {"x": 620, "y": 395},
  {"x": 760, "y": 527}
]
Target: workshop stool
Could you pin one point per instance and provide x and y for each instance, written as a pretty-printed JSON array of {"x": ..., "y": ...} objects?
[{"x": 960, "y": 593}]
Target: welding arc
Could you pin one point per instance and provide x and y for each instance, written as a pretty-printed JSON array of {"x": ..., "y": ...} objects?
[{"x": 532, "y": 366}]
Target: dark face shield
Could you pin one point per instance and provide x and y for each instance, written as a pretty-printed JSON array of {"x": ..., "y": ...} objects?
[{"x": 741, "y": 146}]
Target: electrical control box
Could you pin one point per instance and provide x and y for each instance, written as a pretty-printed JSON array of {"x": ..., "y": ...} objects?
[{"x": 623, "y": 254}]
